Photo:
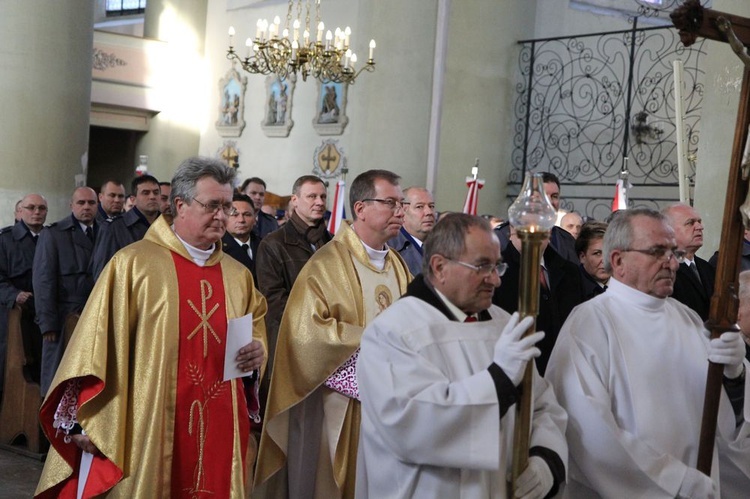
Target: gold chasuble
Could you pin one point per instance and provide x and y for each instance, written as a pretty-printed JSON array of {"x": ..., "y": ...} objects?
[
  {"x": 148, "y": 355},
  {"x": 311, "y": 432}
]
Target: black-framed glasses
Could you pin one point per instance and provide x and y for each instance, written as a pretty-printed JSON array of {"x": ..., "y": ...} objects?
[
  {"x": 486, "y": 269},
  {"x": 213, "y": 207},
  {"x": 392, "y": 204},
  {"x": 661, "y": 253}
]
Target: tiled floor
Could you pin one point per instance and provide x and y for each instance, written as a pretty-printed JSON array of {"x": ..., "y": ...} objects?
[{"x": 18, "y": 475}]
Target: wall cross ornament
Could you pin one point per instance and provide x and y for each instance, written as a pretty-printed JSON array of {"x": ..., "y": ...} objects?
[{"x": 329, "y": 159}]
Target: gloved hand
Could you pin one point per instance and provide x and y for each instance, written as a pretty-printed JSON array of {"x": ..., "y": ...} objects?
[
  {"x": 728, "y": 349},
  {"x": 536, "y": 480},
  {"x": 697, "y": 485},
  {"x": 512, "y": 352}
]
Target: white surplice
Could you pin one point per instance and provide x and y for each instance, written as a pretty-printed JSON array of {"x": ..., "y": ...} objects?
[
  {"x": 431, "y": 425},
  {"x": 630, "y": 369}
]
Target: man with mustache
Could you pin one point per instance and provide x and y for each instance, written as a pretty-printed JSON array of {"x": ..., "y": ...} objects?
[
  {"x": 439, "y": 373},
  {"x": 419, "y": 218},
  {"x": 630, "y": 365}
]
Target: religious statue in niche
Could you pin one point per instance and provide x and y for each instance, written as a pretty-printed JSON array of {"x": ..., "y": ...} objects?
[
  {"x": 231, "y": 104},
  {"x": 278, "y": 117},
  {"x": 330, "y": 116}
]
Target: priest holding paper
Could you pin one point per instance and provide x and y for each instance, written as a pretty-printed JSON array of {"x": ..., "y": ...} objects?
[{"x": 143, "y": 384}]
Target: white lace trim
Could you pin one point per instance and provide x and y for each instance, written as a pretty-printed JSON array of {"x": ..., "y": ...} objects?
[{"x": 67, "y": 410}]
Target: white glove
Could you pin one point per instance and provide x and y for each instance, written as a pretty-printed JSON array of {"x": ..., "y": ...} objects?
[
  {"x": 536, "y": 480},
  {"x": 697, "y": 485},
  {"x": 512, "y": 352},
  {"x": 728, "y": 349}
]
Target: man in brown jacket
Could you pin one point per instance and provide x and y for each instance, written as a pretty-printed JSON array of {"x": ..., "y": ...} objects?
[{"x": 283, "y": 253}]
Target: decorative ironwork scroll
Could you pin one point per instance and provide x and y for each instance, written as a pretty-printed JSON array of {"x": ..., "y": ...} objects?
[{"x": 589, "y": 105}]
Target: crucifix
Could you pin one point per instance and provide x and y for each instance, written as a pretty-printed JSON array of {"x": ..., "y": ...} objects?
[{"x": 693, "y": 20}]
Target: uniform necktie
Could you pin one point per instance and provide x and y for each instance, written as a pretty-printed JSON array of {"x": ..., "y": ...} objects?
[
  {"x": 694, "y": 269},
  {"x": 470, "y": 318},
  {"x": 543, "y": 278},
  {"x": 90, "y": 234},
  {"x": 246, "y": 248}
]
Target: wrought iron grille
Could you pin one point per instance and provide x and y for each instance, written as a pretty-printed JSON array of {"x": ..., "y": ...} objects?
[{"x": 588, "y": 106}]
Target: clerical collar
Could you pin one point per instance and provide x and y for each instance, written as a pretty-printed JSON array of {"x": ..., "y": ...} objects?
[
  {"x": 459, "y": 314},
  {"x": 199, "y": 256},
  {"x": 377, "y": 257}
]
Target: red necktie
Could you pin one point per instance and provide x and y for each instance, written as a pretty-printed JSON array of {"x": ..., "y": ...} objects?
[{"x": 470, "y": 318}]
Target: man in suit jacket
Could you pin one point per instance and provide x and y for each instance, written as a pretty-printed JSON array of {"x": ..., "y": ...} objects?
[
  {"x": 61, "y": 277},
  {"x": 111, "y": 201},
  {"x": 17, "y": 248},
  {"x": 117, "y": 233},
  {"x": 419, "y": 218},
  {"x": 239, "y": 241},
  {"x": 255, "y": 189},
  {"x": 560, "y": 292},
  {"x": 694, "y": 283}
]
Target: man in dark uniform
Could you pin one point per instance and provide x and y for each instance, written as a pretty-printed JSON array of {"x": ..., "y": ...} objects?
[
  {"x": 111, "y": 200},
  {"x": 255, "y": 189},
  {"x": 61, "y": 279},
  {"x": 560, "y": 292},
  {"x": 238, "y": 241},
  {"x": 129, "y": 228},
  {"x": 694, "y": 282},
  {"x": 17, "y": 247}
]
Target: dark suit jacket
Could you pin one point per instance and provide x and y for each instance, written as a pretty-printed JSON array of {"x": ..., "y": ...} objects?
[
  {"x": 230, "y": 247},
  {"x": 555, "y": 304},
  {"x": 61, "y": 278},
  {"x": 559, "y": 239},
  {"x": 409, "y": 250},
  {"x": 115, "y": 234},
  {"x": 264, "y": 225},
  {"x": 590, "y": 287},
  {"x": 17, "y": 248},
  {"x": 693, "y": 293}
]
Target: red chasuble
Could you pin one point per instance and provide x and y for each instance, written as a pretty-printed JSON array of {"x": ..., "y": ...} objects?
[{"x": 204, "y": 427}]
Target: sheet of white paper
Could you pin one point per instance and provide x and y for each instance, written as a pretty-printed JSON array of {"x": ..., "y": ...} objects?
[
  {"x": 239, "y": 334},
  {"x": 83, "y": 473}
]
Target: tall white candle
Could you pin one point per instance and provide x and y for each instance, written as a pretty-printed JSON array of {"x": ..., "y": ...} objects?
[{"x": 679, "y": 120}]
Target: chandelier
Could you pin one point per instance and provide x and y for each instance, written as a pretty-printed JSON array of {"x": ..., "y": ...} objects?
[{"x": 294, "y": 50}]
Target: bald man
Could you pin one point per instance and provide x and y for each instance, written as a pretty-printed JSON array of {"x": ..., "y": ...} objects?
[
  {"x": 17, "y": 248},
  {"x": 61, "y": 279}
]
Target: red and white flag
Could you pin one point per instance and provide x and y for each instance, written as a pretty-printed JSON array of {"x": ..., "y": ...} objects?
[
  {"x": 472, "y": 197},
  {"x": 621, "y": 195},
  {"x": 338, "y": 210}
]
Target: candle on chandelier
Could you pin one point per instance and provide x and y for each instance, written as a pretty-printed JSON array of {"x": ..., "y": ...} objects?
[
  {"x": 258, "y": 27},
  {"x": 329, "y": 37},
  {"x": 275, "y": 26},
  {"x": 231, "y": 36},
  {"x": 347, "y": 58},
  {"x": 321, "y": 27},
  {"x": 248, "y": 44},
  {"x": 353, "y": 60},
  {"x": 306, "y": 36},
  {"x": 296, "y": 29},
  {"x": 372, "y": 49},
  {"x": 347, "y": 33},
  {"x": 295, "y": 46}
]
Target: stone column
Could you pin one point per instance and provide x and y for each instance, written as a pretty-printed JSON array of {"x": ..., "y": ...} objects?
[{"x": 44, "y": 99}]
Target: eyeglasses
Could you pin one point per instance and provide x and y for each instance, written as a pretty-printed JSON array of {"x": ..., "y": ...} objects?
[
  {"x": 33, "y": 207},
  {"x": 486, "y": 269},
  {"x": 213, "y": 207},
  {"x": 661, "y": 253},
  {"x": 392, "y": 204}
]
